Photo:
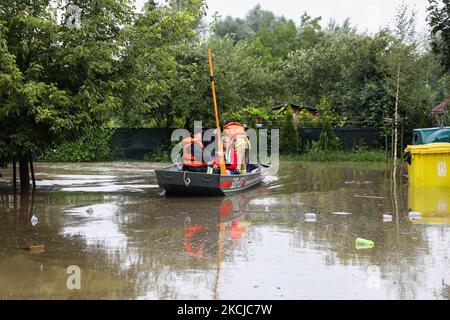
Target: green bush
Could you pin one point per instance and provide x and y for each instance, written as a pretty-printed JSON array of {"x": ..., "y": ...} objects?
[
  {"x": 92, "y": 145},
  {"x": 289, "y": 140},
  {"x": 162, "y": 154},
  {"x": 328, "y": 140}
]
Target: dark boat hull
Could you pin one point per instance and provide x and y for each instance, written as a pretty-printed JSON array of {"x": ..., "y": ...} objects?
[{"x": 183, "y": 183}]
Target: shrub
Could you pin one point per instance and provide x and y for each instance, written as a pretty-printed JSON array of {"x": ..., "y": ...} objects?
[
  {"x": 328, "y": 140},
  {"x": 162, "y": 154},
  {"x": 289, "y": 135},
  {"x": 92, "y": 145}
]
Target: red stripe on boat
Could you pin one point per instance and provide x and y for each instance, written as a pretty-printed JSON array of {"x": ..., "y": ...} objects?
[{"x": 225, "y": 184}]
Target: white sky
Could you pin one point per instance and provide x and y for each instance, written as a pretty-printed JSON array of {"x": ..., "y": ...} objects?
[{"x": 367, "y": 15}]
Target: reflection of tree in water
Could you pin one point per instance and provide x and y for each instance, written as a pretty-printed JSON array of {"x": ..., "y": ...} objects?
[{"x": 27, "y": 275}]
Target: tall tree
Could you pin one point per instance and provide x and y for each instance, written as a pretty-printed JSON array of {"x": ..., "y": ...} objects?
[
  {"x": 439, "y": 21},
  {"x": 65, "y": 75}
]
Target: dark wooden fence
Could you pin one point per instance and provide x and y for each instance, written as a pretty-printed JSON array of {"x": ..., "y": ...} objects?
[
  {"x": 350, "y": 137},
  {"x": 134, "y": 144}
]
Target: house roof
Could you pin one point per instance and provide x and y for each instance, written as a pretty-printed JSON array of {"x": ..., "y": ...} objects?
[
  {"x": 294, "y": 105},
  {"x": 442, "y": 107}
]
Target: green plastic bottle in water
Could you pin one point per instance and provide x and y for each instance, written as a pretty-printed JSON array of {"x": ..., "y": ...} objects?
[{"x": 361, "y": 243}]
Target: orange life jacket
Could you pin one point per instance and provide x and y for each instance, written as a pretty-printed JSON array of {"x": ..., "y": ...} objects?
[{"x": 188, "y": 157}]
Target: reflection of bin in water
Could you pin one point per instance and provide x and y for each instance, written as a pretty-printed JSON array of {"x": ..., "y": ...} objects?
[
  {"x": 429, "y": 165},
  {"x": 433, "y": 203}
]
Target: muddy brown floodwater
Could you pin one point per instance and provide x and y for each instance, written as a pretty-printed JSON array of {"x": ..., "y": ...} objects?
[{"x": 130, "y": 242}]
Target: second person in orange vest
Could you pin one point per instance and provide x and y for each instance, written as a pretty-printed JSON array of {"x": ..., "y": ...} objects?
[{"x": 193, "y": 153}]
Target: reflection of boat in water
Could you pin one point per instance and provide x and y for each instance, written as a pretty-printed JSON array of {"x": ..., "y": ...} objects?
[
  {"x": 175, "y": 182},
  {"x": 432, "y": 203},
  {"x": 201, "y": 236},
  {"x": 204, "y": 238}
]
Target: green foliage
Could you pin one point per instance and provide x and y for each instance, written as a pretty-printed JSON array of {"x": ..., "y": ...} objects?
[
  {"x": 271, "y": 37},
  {"x": 328, "y": 140},
  {"x": 151, "y": 69},
  {"x": 57, "y": 79},
  {"x": 249, "y": 115},
  {"x": 289, "y": 140},
  {"x": 162, "y": 154},
  {"x": 160, "y": 61},
  {"x": 439, "y": 21},
  {"x": 93, "y": 145}
]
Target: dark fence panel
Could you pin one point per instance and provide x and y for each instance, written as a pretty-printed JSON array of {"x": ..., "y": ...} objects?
[
  {"x": 134, "y": 144},
  {"x": 350, "y": 137}
]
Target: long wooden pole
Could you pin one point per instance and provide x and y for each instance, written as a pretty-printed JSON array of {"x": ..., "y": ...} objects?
[{"x": 223, "y": 169}]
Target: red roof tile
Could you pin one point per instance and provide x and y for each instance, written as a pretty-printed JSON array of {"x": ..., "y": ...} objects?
[{"x": 442, "y": 107}]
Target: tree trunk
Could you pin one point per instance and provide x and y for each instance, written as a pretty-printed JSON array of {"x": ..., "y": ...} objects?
[
  {"x": 14, "y": 176},
  {"x": 24, "y": 173},
  {"x": 396, "y": 123}
]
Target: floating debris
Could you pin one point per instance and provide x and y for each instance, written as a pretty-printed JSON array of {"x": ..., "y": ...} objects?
[
  {"x": 311, "y": 217},
  {"x": 414, "y": 215},
  {"x": 341, "y": 213},
  {"x": 361, "y": 243},
  {"x": 358, "y": 183},
  {"x": 34, "y": 220},
  {"x": 387, "y": 217},
  {"x": 35, "y": 248},
  {"x": 369, "y": 197},
  {"x": 90, "y": 211}
]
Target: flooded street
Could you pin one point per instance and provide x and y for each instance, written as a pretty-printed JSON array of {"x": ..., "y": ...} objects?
[{"x": 130, "y": 242}]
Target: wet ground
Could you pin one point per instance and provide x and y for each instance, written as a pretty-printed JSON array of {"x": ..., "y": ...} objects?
[{"x": 131, "y": 243}]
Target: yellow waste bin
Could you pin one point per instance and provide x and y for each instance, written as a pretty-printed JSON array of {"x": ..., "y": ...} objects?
[{"x": 429, "y": 165}]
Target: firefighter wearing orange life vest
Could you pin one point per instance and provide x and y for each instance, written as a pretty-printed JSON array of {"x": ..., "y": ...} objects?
[
  {"x": 236, "y": 132},
  {"x": 193, "y": 153}
]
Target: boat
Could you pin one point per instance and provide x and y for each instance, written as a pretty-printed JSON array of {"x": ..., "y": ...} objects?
[{"x": 175, "y": 182}]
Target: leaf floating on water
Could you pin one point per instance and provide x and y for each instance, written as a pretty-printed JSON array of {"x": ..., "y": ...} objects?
[{"x": 341, "y": 213}]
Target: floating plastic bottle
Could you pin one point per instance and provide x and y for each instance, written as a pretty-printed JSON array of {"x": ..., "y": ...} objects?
[
  {"x": 34, "y": 220},
  {"x": 361, "y": 243},
  {"x": 311, "y": 217},
  {"x": 387, "y": 217},
  {"x": 414, "y": 215}
]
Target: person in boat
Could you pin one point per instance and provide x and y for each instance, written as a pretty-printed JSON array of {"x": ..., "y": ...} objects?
[
  {"x": 237, "y": 133},
  {"x": 230, "y": 157},
  {"x": 193, "y": 153}
]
